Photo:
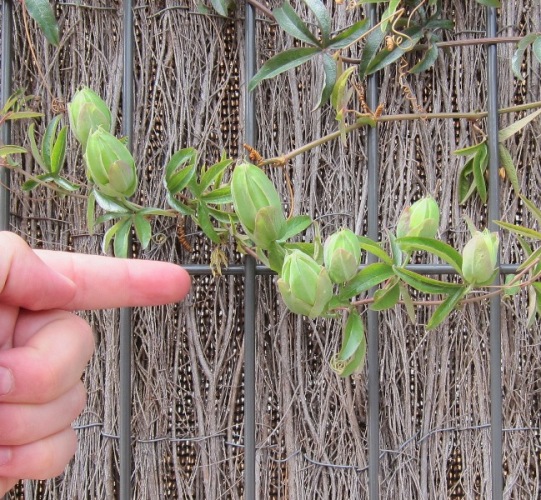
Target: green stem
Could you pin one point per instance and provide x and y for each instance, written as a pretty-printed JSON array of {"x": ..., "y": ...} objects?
[{"x": 283, "y": 159}]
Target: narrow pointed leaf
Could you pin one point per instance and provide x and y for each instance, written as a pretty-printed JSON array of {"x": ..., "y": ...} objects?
[
  {"x": 534, "y": 209},
  {"x": 203, "y": 219},
  {"x": 218, "y": 196},
  {"x": 11, "y": 149},
  {"x": 349, "y": 35},
  {"x": 178, "y": 205},
  {"x": 291, "y": 23},
  {"x": 58, "y": 153},
  {"x": 221, "y": 7},
  {"x": 143, "y": 230},
  {"x": 110, "y": 234},
  {"x": 512, "y": 129},
  {"x": 296, "y": 225},
  {"x": 109, "y": 204},
  {"x": 424, "y": 283},
  {"x": 446, "y": 307},
  {"x": 373, "y": 42},
  {"x": 91, "y": 212},
  {"x": 65, "y": 184},
  {"x": 442, "y": 250},
  {"x": 34, "y": 148},
  {"x": 42, "y": 12},
  {"x": 536, "y": 48},
  {"x": 427, "y": 61},
  {"x": 375, "y": 249},
  {"x": 516, "y": 60},
  {"x": 213, "y": 173},
  {"x": 386, "y": 297},
  {"x": 372, "y": 275},
  {"x": 122, "y": 239},
  {"x": 48, "y": 141},
  {"x": 469, "y": 150},
  {"x": 408, "y": 302},
  {"x": 19, "y": 115},
  {"x": 490, "y": 3},
  {"x": 322, "y": 17},
  {"x": 282, "y": 62},
  {"x": 509, "y": 167},
  {"x": 466, "y": 186},
  {"x": 521, "y": 230},
  {"x": 329, "y": 71},
  {"x": 353, "y": 336}
]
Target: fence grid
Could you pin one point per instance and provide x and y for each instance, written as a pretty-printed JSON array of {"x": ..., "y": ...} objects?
[{"x": 250, "y": 271}]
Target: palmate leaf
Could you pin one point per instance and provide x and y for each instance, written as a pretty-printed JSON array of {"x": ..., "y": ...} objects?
[
  {"x": 291, "y": 23},
  {"x": 282, "y": 62},
  {"x": 42, "y": 12}
]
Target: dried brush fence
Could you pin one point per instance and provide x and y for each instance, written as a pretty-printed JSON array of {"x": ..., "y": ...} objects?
[{"x": 422, "y": 421}]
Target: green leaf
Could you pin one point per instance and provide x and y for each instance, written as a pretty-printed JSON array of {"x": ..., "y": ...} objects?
[
  {"x": 427, "y": 61},
  {"x": 469, "y": 150},
  {"x": 34, "y": 148},
  {"x": 442, "y": 250},
  {"x": 42, "y": 12},
  {"x": 295, "y": 225},
  {"x": 48, "y": 141},
  {"x": 371, "y": 46},
  {"x": 534, "y": 209},
  {"x": 352, "y": 355},
  {"x": 364, "y": 280},
  {"x": 153, "y": 211},
  {"x": 490, "y": 3},
  {"x": 424, "y": 283},
  {"x": 58, "y": 153},
  {"x": 122, "y": 239},
  {"x": 329, "y": 71},
  {"x": 11, "y": 149},
  {"x": 408, "y": 302},
  {"x": 291, "y": 23},
  {"x": 516, "y": 60},
  {"x": 322, "y": 17},
  {"x": 203, "y": 220},
  {"x": 386, "y": 297},
  {"x": 29, "y": 185},
  {"x": 143, "y": 230},
  {"x": 176, "y": 180},
  {"x": 512, "y": 129},
  {"x": 178, "y": 205},
  {"x": 213, "y": 173},
  {"x": 223, "y": 216},
  {"x": 523, "y": 231},
  {"x": 466, "y": 186},
  {"x": 509, "y": 167},
  {"x": 282, "y": 62},
  {"x": 349, "y": 35},
  {"x": 536, "y": 48},
  {"x": 509, "y": 291},
  {"x": 339, "y": 96},
  {"x": 65, "y": 184},
  {"x": 109, "y": 204},
  {"x": 91, "y": 212},
  {"x": 110, "y": 233},
  {"x": 19, "y": 115},
  {"x": 396, "y": 251},
  {"x": 375, "y": 249},
  {"x": 221, "y": 7},
  {"x": 446, "y": 307},
  {"x": 480, "y": 164},
  {"x": 218, "y": 196},
  {"x": 388, "y": 14}
]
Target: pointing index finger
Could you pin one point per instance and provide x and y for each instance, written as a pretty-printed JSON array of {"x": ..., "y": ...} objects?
[{"x": 109, "y": 282}]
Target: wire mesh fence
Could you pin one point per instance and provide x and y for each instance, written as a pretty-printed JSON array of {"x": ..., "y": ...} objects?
[{"x": 227, "y": 395}]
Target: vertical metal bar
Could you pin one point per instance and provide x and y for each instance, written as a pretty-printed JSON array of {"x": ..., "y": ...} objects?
[
  {"x": 249, "y": 279},
  {"x": 496, "y": 399},
  {"x": 125, "y": 443},
  {"x": 7, "y": 47},
  {"x": 372, "y": 318}
]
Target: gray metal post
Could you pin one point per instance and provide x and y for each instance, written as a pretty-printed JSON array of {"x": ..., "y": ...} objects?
[
  {"x": 249, "y": 281},
  {"x": 7, "y": 45},
  {"x": 125, "y": 444},
  {"x": 496, "y": 399}
]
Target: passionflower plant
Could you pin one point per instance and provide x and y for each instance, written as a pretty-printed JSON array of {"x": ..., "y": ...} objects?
[{"x": 305, "y": 285}]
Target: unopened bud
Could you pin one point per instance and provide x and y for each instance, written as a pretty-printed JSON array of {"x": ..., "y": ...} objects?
[
  {"x": 87, "y": 112},
  {"x": 422, "y": 219},
  {"x": 342, "y": 255},
  {"x": 480, "y": 258},
  {"x": 305, "y": 285}
]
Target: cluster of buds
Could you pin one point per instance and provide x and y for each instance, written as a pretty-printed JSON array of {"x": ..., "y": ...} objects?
[
  {"x": 109, "y": 164},
  {"x": 257, "y": 205},
  {"x": 422, "y": 219},
  {"x": 480, "y": 258}
]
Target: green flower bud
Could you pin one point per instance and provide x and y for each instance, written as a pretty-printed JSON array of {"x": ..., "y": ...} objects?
[
  {"x": 305, "y": 285},
  {"x": 480, "y": 257},
  {"x": 342, "y": 255},
  {"x": 110, "y": 165},
  {"x": 87, "y": 112},
  {"x": 422, "y": 219},
  {"x": 253, "y": 191}
]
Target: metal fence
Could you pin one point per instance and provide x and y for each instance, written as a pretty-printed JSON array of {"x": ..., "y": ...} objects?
[{"x": 251, "y": 271}]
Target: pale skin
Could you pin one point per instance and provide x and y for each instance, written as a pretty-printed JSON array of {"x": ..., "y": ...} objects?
[{"x": 44, "y": 346}]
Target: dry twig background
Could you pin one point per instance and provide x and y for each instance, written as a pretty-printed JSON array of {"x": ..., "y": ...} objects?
[{"x": 188, "y": 358}]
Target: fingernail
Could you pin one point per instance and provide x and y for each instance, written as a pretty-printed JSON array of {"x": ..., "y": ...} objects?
[
  {"x": 6, "y": 381},
  {"x": 5, "y": 455}
]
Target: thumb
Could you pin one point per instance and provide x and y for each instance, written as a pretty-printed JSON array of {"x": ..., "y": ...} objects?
[{"x": 26, "y": 281}]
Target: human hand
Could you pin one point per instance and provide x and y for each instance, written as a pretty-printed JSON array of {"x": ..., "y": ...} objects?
[{"x": 44, "y": 347}]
